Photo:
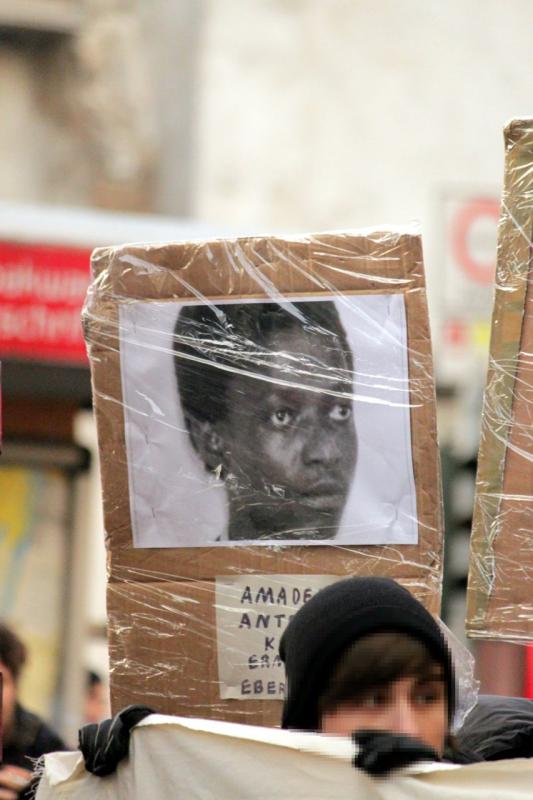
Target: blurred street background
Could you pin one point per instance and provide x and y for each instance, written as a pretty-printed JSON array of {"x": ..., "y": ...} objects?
[{"x": 158, "y": 119}]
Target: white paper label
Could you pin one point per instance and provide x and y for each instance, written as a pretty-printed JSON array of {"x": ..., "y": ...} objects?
[{"x": 252, "y": 611}]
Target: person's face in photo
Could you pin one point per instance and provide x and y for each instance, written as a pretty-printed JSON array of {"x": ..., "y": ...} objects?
[{"x": 289, "y": 451}]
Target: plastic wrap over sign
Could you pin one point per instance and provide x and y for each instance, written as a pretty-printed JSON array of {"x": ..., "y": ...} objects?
[
  {"x": 266, "y": 418},
  {"x": 501, "y": 561}
]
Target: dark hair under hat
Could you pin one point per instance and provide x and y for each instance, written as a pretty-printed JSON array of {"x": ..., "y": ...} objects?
[{"x": 334, "y": 619}]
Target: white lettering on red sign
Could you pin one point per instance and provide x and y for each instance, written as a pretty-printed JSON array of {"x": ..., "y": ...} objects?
[{"x": 42, "y": 291}]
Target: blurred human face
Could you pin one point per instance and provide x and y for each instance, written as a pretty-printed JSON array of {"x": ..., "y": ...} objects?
[
  {"x": 411, "y": 706},
  {"x": 9, "y": 699},
  {"x": 96, "y": 706},
  {"x": 290, "y": 451}
]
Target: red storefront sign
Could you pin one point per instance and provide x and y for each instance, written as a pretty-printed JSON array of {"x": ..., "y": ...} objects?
[
  {"x": 42, "y": 290},
  {"x": 477, "y": 267}
]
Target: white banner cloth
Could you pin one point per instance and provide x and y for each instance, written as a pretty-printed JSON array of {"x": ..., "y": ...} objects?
[{"x": 173, "y": 758}]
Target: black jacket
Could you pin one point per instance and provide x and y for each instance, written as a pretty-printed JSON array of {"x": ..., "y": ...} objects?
[
  {"x": 31, "y": 739},
  {"x": 498, "y": 728}
]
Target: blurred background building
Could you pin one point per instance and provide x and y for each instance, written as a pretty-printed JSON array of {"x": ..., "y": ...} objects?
[{"x": 214, "y": 117}]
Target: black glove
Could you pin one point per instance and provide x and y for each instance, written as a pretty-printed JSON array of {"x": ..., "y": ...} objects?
[
  {"x": 105, "y": 744},
  {"x": 380, "y": 752}
]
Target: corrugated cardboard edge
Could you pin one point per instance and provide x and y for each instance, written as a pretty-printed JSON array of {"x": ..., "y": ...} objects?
[{"x": 514, "y": 237}]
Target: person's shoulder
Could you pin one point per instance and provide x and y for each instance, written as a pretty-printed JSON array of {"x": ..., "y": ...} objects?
[
  {"x": 36, "y": 736},
  {"x": 499, "y": 727},
  {"x": 48, "y": 741}
]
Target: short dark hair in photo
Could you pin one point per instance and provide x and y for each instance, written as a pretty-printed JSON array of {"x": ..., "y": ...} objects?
[{"x": 211, "y": 341}]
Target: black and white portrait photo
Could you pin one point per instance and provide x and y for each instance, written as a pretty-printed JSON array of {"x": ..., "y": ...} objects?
[{"x": 267, "y": 422}]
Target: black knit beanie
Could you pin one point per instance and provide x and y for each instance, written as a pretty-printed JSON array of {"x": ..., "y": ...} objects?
[{"x": 332, "y": 621}]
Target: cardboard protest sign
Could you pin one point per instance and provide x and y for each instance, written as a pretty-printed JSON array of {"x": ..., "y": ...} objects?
[
  {"x": 501, "y": 562},
  {"x": 265, "y": 408}
]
